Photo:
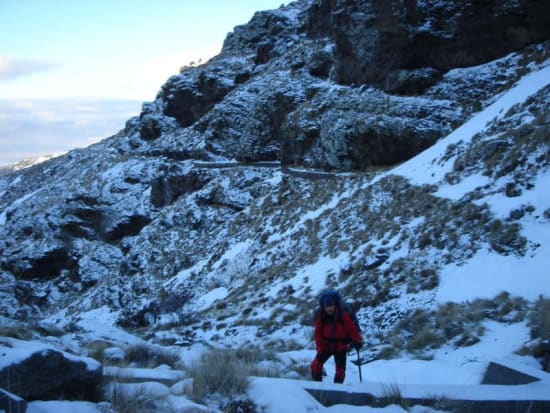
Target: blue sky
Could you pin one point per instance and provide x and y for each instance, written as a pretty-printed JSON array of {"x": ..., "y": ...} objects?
[{"x": 72, "y": 71}]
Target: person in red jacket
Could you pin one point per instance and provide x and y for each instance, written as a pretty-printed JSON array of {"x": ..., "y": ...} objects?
[{"x": 334, "y": 332}]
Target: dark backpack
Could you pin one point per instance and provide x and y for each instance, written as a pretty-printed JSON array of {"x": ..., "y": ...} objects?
[{"x": 349, "y": 308}]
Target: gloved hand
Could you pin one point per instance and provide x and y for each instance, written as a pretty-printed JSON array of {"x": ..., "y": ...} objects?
[{"x": 357, "y": 345}]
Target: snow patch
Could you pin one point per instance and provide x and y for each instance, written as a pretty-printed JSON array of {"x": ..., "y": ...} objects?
[
  {"x": 210, "y": 298},
  {"x": 488, "y": 274}
]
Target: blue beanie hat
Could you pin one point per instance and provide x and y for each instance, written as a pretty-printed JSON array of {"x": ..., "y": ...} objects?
[{"x": 329, "y": 298}]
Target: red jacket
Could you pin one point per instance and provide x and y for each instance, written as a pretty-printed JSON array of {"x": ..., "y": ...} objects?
[{"x": 334, "y": 333}]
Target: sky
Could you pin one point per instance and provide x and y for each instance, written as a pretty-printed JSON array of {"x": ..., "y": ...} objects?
[
  {"x": 453, "y": 373},
  {"x": 73, "y": 71}
]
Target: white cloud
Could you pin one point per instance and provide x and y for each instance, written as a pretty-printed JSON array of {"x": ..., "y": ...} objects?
[
  {"x": 12, "y": 68},
  {"x": 34, "y": 127}
]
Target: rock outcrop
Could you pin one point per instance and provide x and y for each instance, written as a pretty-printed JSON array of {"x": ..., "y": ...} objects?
[
  {"x": 380, "y": 42},
  {"x": 34, "y": 371},
  {"x": 270, "y": 93}
]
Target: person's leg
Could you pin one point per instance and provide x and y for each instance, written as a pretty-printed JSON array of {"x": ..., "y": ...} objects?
[
  {"x": 340, "y": 361},
  {"x": 317, "y": 366}
]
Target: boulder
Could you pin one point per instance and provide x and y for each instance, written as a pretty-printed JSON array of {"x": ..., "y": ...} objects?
[{"x": 36, "y": 371}]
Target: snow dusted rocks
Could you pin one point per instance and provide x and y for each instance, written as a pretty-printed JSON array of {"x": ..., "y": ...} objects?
[
  {"x": 375, "y": 39},
  {"x": 294, "y": 84},
  {"x": 37, "y": 371}
]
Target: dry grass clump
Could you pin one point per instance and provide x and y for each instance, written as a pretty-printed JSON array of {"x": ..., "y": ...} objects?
[
  {"x": 143, "y": 355},
  {"x": 539, "y": 319},
  {"x": 460, "y": 324},
  {"x": 539, "y": 323},
  {"x": 392, "y": 395},
  {"x": 226, "y": 372},
  {"x": 219, "y": 372},
  {"x": 240, "y": 406},
  {"x": 96, "y": 349},
  {"x": 18, "y": 332},
  {"x": 139, "y": 355},
  {"x": 124, "y": 402},
  {"x": 138, "y": 397}
]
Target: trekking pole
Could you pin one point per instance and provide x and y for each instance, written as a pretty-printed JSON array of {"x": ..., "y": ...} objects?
[{"x": 359, "y": 365}]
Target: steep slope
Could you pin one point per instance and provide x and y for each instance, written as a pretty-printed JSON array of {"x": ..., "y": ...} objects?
[{"x": 175, "y": 222}]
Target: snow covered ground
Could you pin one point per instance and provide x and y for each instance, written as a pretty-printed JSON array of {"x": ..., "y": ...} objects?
[{"x": 453, "y": 373}]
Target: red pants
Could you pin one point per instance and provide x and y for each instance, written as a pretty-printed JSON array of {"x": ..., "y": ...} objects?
[{"x": 319, "y": 361}]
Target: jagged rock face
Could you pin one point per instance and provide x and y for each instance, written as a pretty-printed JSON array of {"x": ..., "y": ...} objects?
[
  {"x": 269, "y": 95},
  {"x": 377, "y": 41}
]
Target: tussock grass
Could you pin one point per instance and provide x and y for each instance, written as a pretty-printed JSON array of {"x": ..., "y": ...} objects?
[
  {"x": 391, "y": 394},
  {"x": 461, "y": 324},
  {"x": 140, "y": 355},
  {"x": 20, "y": 333},
  {"x": 143, "y": 355},
  {"x": 226, "y": 372},
  {"x": 122, "y": 402},
  {"x": 539, "y": 319},
  {"x": 96, "y": 349},
  {"x": 240, "y": 406},
  {"x": 219, "y": 372},
  {"x": 132, "y": 398}
]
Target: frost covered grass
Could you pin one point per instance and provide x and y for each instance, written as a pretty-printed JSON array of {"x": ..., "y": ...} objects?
[
  {"x": 124, "y": 401},
  {"x": 19, "y": 332},
  {"x": 219, "y": 372},
  {"x": 460, "y": 324},
  {"x": 539, "y": 319},
  {"x": 227, "y": 372},
  {"x": 143, "y": 355},
  {"x": 392, "y": 395}
]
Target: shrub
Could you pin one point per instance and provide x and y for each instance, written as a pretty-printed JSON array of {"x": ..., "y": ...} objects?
[
  {"x": 392, "y": 395},
  {"x": 219, "y": 372},
  {"x": 462, "y": 322},
  {"x": 138, "y": 397},
  {"x": 19, "y": 333},
  {"x": 423, "y": 339},
  {"x": 539, "y": 319},
  {"x": 122, "y": 402},
  {"x": 96, "y": 349},
  {"x": 143, "y": 355},
  {"x": 240, "y": 406}
]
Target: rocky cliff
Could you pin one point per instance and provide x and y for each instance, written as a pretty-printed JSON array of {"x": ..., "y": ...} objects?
[{"x": 247, "y": 171}]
